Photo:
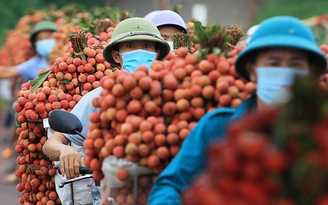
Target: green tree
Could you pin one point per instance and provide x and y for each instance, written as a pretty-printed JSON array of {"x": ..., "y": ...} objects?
[
  {"x": 303, "y": 9},
  {"x": 12, "y": 11}
]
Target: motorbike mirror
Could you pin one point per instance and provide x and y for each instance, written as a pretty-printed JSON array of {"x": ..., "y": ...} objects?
[{"x": 65, "y": 122}]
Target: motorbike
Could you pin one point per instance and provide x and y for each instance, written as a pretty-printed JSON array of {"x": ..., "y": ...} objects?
[{"x": 65, "y": 122}]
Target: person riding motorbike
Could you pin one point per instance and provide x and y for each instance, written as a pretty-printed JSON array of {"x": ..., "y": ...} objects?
[
  {"x": 135, "y": 41},
  {"x": 281, "y": 48}
]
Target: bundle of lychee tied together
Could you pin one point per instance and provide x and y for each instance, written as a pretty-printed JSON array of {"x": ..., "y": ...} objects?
[
  {"x": 144, "y": 116},
  {"x": 59, "y": 86}
]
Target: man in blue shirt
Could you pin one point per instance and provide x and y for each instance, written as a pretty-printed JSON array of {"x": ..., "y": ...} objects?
[
  {"x": 135, "y": 41},
  {"x": 281, "y": 48}
]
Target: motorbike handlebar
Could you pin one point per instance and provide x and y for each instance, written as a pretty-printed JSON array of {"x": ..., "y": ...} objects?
[
  {"x": 86, "y": 172},
  {"x": 82, "y": 169}
]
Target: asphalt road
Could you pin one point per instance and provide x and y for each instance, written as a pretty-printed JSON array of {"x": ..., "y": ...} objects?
[{"x": 8, "y": 193}]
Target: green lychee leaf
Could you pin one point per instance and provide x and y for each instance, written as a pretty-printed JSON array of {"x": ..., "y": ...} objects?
[{"x": 64, "y": 81}]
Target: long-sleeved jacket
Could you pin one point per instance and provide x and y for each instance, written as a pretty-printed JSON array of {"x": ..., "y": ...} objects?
[
  {"x": 83, "y": 109},
  {"x": 29, "y": 69},
  {"x": 192, "y": 157}
]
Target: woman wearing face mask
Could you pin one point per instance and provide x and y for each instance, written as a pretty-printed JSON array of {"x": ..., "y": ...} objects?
[
  {"x": 43, "y": 42},
  {"x": 280, "y": 49},
  {"x": 168, "y": 23}
]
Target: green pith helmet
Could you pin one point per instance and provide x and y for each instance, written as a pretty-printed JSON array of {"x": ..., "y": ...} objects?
[
  {"x": 133, "y": 29},
  {"x": 42, "y": 26}
]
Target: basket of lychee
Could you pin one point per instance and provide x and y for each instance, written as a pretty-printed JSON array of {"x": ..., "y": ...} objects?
[{"x": 276, "y": 156}]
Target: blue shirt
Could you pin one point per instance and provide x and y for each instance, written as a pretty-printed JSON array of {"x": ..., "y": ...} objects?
[
  {"x": 29, "y": 69},
  {"x": 192, "y": 157},
  {"x": 83, "y": 110}
]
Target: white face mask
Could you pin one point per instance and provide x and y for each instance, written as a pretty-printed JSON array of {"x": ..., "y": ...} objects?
[
  {"x": 171, "y": 45},
  {"x": 44, "y": 47},
  {"x": 273, "y": 83}
]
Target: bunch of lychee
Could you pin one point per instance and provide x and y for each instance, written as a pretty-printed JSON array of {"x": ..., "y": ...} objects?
[
  {"x": 145, "y": 116},
  {"x": 66, "y": 82},
  {"x": 35, "y": 172}
]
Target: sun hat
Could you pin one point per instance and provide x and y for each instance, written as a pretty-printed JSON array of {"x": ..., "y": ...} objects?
[
  {"x": 42, "y": 26},
  {"x": 133, "y": 29},
  {"x": 281, "y": 31},
  {"x": 168, "y": 17}
]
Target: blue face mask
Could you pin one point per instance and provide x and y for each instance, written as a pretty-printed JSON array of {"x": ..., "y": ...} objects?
[
  {"x": 133, "y": 59},
  {"x": 171, "y": 45},
  {"x": 44, "y": 47},
  {"x": 273, "y": 83}
]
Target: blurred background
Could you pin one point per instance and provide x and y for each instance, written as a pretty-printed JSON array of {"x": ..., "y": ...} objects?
[
  {"x": 244, "y": 13},
  {"x": 224, "y": 12}
]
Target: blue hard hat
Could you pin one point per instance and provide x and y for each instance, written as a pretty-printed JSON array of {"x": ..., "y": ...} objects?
[{"x": 281, "y": 31}]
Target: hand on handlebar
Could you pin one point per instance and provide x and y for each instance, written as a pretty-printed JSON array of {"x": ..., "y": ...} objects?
[{"x": 70, "y": 161}]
